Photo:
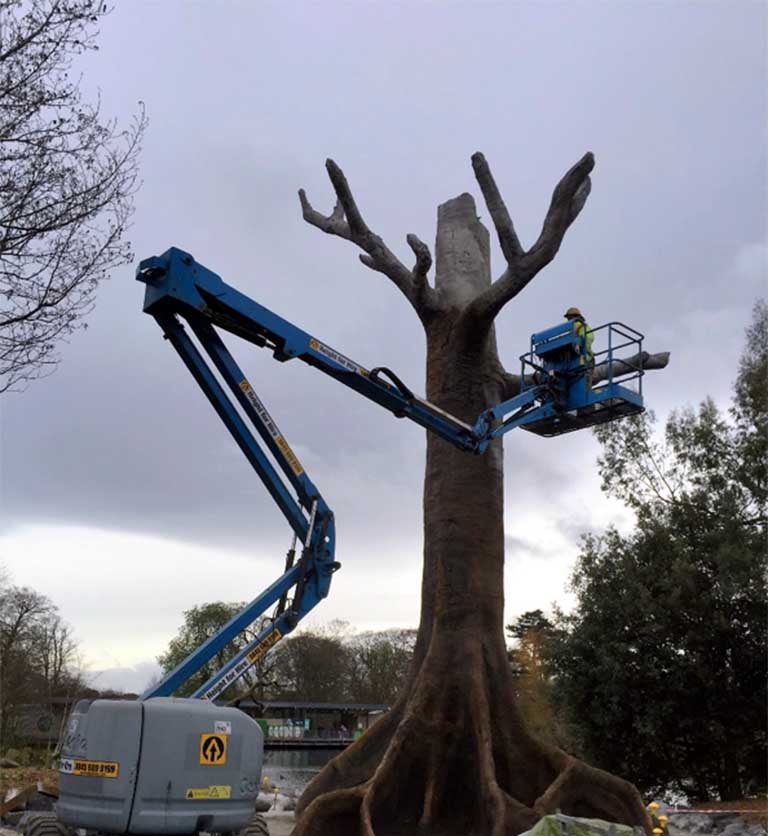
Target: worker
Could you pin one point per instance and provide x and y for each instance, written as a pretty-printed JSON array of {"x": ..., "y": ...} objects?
[{"x": 583, "y": 331}]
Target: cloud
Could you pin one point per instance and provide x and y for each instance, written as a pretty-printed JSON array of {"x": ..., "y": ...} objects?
[
  {"x": 514, "y": 545},
  {"x": 120, "y": 440},
  {"x": 750, "y": 268},
  {"x": 131, "y": 680}
]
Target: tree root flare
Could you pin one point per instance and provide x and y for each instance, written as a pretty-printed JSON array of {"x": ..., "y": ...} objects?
[
  {"x": 409, "y": 795},
  {"x": 454, "y": 759},
  {"x": 583, "y": 790}
]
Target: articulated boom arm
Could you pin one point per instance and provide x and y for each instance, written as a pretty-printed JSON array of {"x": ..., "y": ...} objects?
[{"x": 555, "y": 397}]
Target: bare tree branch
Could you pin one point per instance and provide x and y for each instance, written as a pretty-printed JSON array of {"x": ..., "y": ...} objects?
[
  {"x": 423, "y": 257},
  {"x": 568, "y": 200},
  {"x": 651, "y": 362},
  {"x": 355, "y": 220},
  {"x": 621, "y": 365},
  {"x": 67, "y": 178},
  {"x": 508, "y": 240},
  {"x": 347, "y": 222},
  {"x": 334, "y": 224}
]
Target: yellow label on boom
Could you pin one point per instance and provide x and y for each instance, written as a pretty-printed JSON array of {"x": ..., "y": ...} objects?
[
  {"x": 270, "y": 641},
  {"x": 337, "y": 357},
  {"x": 271, "y": 427},
  {"x": 243, "y": 665}
]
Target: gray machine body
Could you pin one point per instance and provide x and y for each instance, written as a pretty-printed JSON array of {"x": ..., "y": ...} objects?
[{"x": 163, "y": 766}]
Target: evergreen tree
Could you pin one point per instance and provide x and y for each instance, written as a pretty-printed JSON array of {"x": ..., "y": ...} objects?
[{"x": 662, "y": 666}]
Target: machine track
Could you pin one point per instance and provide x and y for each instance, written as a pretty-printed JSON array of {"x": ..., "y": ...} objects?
[
  {"x": 45, "y": 824},
  {"x": 257, "y": 826}
]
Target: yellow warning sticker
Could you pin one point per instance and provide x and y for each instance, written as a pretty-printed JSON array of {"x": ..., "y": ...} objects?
[
  {"x": 271, "y": 426},
  {"x": 96, "y": 769},
  {"x": 270, "y": 641},
  {"x": 336, "y": 356},
  {"x": 218, "y": 791},
  {"x": 213, "y": 749},
  {"x": 259, "y": 408},
  {"x": 290, "y": 456},
  {"x": 243, "y": 665}
]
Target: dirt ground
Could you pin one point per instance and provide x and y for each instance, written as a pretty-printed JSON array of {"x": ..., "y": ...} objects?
[{"x": 23, "y": 776}]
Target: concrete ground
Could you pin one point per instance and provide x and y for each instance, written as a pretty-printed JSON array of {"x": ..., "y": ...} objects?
[{"x": 281, "y": 824}]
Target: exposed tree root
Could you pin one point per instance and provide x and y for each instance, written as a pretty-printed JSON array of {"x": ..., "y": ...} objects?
[
  {"x": 452, "y": 759},
  {"x": 583, "y": 790}
]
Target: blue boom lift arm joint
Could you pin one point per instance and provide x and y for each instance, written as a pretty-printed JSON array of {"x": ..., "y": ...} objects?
[{"x": 176, "y": 283}]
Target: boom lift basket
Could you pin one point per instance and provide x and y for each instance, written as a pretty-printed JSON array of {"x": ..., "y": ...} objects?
[{"x": 558, "y": 358}]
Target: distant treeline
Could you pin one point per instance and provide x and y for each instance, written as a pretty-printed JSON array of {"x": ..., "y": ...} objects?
[{"x": 332, "y": 663}]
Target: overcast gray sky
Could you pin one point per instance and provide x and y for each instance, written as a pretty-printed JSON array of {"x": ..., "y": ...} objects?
[{"x": 123, "y": 497}]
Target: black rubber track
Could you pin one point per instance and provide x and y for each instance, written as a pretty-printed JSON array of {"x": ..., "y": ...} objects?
[
  {"x": 44, "y": 824},
  {"x": 257, "y": 826}
]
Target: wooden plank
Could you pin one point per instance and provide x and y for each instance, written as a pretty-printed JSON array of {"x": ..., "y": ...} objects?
[{"x": 18, "y": 800}]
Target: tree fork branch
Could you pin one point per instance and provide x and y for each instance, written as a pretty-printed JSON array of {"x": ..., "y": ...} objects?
[
  {"x": 423, "y": 258},
  {"x": 508, "y": 240},
  {"x": 346, "y": 221},
  {"x": 355, "y": 220},
  {"x": 568, "y": 200}
]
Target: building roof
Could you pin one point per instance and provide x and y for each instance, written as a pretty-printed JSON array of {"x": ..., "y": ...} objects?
[{"x": 315, "y": 706}]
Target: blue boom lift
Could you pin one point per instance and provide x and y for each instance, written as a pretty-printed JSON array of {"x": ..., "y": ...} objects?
[
  {"x": 164, "y": 765},
  {"x": 555, "y": 398}
]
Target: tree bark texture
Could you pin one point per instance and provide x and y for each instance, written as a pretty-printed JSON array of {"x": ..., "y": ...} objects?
[{"x": 453, "y": 755}]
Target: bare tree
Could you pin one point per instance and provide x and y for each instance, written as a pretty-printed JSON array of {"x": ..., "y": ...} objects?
[
  {"x": 380, "y": 664},
  {"x": 55, "y": 654},
  {"x": 21, "y": 610},
  {"x": 38, "y": 655},
  {"x": 314, "y": 665},
  {"x": 454, "y": 754},
  {"x": 67, "y": 179},
  {"x": 200, "y": 623}
]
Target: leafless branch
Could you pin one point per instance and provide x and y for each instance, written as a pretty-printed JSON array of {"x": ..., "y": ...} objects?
[
  {"x": 568, "y": 200},
  {"x": 423, "y": 258},
  {"x": 67, "y": 180},
  {"x": 508, "y": 240},
  {"x": 651, "y": 362},
  {"x": 347, "y": 222},
  {"x": 621, "y": 365}
]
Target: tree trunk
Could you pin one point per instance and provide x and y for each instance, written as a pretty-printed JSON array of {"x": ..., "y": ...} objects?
[
  {"x": 453, "y": 756},
  {"x": 733, "y": 790}
]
